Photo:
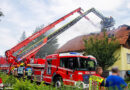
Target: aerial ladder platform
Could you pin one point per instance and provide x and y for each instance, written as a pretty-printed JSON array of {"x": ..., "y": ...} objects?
[{"x": 21, "y": 52}]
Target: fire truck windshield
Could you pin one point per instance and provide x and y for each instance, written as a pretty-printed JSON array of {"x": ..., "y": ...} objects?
[
  {"x": 78, "y": 63},
  {"x": 86, "y": 64}
]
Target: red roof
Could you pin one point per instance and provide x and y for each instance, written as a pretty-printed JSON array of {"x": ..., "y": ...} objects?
[{"x": 77, "y": 44}]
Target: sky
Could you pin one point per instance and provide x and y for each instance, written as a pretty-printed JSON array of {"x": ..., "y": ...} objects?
[{"x": 26, "y": 15}]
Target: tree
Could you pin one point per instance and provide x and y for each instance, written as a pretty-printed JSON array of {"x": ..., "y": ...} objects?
[
  {"x": 47, "y": 49},
  {"x": 23, "y": 37},
  {"x": 1, "y": 14},
  {"x": 50, "y": 47},
  {"x": 103, "y": 49}
]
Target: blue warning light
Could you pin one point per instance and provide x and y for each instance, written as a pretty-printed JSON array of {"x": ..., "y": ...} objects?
[{"x": 75, "y": 53}]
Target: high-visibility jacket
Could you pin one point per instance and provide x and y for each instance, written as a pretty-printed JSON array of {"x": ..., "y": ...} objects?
[
  {"x": 95, "y": 81},
  {"x": 21, "y": 70},
  {"x": 28, "y": 71}
]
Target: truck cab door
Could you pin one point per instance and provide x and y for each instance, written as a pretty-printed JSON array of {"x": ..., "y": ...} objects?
[
  {"x": 71, "y": 70},
  {"x": 69, "y": 65},
  {"x": 48, "y": 73}
]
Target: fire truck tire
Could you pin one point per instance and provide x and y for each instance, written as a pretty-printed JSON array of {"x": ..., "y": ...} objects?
[{"x": 58, "y": 82}]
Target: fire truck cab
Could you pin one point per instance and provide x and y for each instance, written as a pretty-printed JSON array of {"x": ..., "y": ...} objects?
[{"x": 69, "y": 69}]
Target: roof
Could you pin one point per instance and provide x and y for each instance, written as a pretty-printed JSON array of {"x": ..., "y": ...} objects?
[{"x": 77, "y": 44}]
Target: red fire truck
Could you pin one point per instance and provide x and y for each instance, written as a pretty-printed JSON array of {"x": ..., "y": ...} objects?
[{"x": 67, "y": 68}]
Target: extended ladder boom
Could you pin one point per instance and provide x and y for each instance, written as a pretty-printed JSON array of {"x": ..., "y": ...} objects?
[
  {"x": 21, "y": 53},
  {"x": 52, "y": 36},
  {"x": 106, "y": 22},
  {"x": 9, "y": 53}
]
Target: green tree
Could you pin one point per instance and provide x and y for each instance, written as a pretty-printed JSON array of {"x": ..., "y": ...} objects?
[
  {"x": 47, "y": 49},
  {"x": 23, "y": 36},
  {"x": 1, "y": 14},
  {"x": 103, "y": 49},
  {"x": 50, "y": 47}
]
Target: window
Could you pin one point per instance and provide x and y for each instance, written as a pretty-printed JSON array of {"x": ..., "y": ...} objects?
[
  {"x": 49, "y": 66},
  {"x": 128, "y": 58},
  {"x": 128, "y": 41},
  {"x": 68, "y": 62},
  {"x": 78, "y": 63},
  {"x": 86, "y": 64}
]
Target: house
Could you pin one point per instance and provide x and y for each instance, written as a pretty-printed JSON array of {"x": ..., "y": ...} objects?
[{"x": 122, "y": 34}]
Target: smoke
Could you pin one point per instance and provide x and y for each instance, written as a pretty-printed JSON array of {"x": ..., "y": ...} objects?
[{"x": 83, "y": 27}]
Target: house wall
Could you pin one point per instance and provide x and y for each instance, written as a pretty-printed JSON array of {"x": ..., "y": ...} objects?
[
  {"x": 121, "y": 63},
  {"x": 124, "y": 63},
  {"x": 118, "y": 62}
]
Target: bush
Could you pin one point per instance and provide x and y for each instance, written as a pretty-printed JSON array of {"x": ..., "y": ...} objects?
[
  {"x": 25, "y": 84},
  {"x": 7, "y": 80},
  {"x": 127, "y": 80}
]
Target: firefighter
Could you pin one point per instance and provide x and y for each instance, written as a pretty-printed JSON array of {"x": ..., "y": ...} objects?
[
  {"x": 28, "y": 71},
  {"x": 96, "y": 80},
  {"x": 21, "y": 71},
  {"x": 16, "y": 70}
]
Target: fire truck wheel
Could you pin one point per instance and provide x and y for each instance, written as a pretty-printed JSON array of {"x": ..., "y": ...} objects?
[{"x": 58, "y": 82}]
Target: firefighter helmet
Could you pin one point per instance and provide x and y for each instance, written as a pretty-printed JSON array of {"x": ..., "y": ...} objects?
[
  {"x": 22, "y": 64},
  {"x": 28, "y": 65}
]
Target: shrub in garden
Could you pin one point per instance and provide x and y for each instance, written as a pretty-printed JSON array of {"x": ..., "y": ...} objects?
[
  {"x": 24, "y": 85},
  {"x": 7, "y": 80},
  {"x": 127, "y": 80}
]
